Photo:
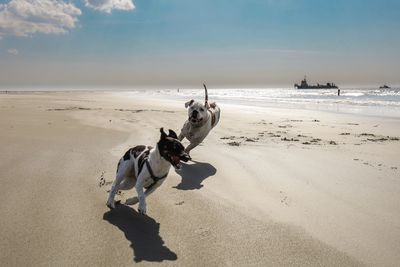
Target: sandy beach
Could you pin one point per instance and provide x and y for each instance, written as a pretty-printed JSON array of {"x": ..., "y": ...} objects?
[{"x": 268, "y": 187}]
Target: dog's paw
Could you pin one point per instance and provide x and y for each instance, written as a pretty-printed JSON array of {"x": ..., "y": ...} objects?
[
  {"x": 111, "y": 204},
  {"x": 131, "y": 201},
  {"x": 142, "y": 211}
]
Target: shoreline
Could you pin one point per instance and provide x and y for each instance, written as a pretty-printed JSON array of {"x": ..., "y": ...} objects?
[{"x": 391, "y": 110}]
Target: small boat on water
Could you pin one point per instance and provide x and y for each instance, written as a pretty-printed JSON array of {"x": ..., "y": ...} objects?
[
  {"x": 305, "y": 85},
  {"x": 385, "y": 86}
]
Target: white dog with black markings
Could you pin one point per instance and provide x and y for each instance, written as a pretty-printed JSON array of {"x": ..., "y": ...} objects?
[
  {"x": 201, "y": 119},
  {"x": 147, "y": 167}
]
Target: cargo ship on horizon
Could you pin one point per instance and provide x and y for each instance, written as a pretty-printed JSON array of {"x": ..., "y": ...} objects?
[{"x": 305, "y": 85}]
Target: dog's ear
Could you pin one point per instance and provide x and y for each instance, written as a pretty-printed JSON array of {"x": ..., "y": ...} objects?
[
  {"x": 172, "y": 134},
  {"x": 189, "y": 103},
  {"x": 163, "y": 134}
]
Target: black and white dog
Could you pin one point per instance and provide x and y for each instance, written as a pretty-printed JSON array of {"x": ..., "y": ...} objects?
[
  {"x": 201, "y": 119},
  {"x": 147, "y": 167}
]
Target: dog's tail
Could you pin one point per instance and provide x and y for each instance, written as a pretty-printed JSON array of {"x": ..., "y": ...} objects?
[{"x": 206, "y": 99}]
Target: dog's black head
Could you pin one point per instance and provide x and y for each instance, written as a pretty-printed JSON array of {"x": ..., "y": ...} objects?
[{"x": 171, "y": 149}]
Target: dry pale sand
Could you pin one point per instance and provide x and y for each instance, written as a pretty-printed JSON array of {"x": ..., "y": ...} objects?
[{"x": 269, "y": 187}]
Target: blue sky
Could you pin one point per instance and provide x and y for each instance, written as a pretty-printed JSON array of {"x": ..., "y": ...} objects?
[{"x": 167, "y": 43}]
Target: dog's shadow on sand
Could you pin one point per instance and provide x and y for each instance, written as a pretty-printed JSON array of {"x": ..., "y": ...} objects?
[
  {"x": 194, "y": 174},
  {"x": 143, "y": 233}
]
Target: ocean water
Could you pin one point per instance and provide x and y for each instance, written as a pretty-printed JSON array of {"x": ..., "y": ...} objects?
[
  {"x": 369, "y": 102},
  {"x": 360, "y": 101}
]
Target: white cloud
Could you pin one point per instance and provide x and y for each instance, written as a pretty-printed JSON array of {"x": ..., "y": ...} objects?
[
  {"x": 13, "y": 51},
  {"x": 108, "y": 5},
  {"x": 26, "y": 17}
]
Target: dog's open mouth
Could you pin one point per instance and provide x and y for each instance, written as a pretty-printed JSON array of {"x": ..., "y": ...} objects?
[
  {"x": 195, "y": 120},
  {"x": 175, "y": 161}
]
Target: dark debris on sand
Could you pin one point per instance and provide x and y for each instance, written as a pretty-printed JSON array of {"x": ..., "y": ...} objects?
[
  {"x": 71, "y": 108},
  {"x": 234, "y": 143}
]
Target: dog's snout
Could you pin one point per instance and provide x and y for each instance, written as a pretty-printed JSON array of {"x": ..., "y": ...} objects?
[
  {"x": 185, "y": 157},
  {"x": 195, "y": 113}
]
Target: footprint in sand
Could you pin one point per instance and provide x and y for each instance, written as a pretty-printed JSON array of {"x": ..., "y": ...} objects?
[
  {"x": 102, "y": 181},
  {"x": 284, "y": 199},
  {"x": 203, "y": 232}
]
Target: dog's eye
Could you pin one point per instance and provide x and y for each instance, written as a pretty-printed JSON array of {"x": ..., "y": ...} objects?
[{"x": 202, "y": 109}]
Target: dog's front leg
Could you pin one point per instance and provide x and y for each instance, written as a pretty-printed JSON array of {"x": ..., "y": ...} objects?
[
  {"x": 190, "y": 147},
  {"x": 141, "y": 196},
  {"x": 181, "y": 136},
  {"x": 184, "y": 131}
]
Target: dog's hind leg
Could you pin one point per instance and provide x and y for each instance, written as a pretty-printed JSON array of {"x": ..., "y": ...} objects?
[
  {"x": 116, "y": 184},
  {"x": 127, "y": 184},
  {"x": 114, "y": 189},
  {"x": 133, "y": 200}
]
